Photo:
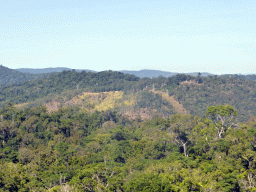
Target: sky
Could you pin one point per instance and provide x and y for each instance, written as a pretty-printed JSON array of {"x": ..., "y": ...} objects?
[{"x": 214, "y": 36}]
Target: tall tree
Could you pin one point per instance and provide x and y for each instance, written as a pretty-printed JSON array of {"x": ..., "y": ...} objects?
[
  {"x": 181, "y": 130},
  {"x": 223, "y": 117},
  {"x": 198, "y": 78}
]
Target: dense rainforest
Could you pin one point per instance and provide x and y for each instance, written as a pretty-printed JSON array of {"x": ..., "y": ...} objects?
[
  {"x": 200, "y": 137},
  {"x": 70, "y": 150}
]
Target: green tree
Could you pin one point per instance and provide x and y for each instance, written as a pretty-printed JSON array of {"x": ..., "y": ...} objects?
[
  {"x": 223, "y": 117},
  {"x": 181, "y": 130},
  {"x": 149, "y": 182}
]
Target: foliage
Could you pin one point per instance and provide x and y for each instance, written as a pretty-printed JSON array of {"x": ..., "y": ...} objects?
[
  {"x": 79, "y": 151},
  {"x": 10, "y": 76},
  {"x": 56, "y": 83},
  {"x": 194, "y": 93},
  {"x": 75, "y": 150},
  {"x": 215, "y": 91}
]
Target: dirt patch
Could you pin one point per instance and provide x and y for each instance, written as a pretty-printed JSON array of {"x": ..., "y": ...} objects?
[
  {"x": 21, "y": 105},
  {"x": 52, "y": 106},
  {"x": 190, "y": 82}
]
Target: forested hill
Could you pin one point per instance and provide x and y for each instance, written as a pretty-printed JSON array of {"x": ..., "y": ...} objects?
[
  {"x": 156, "y": 73},
  {"x": 194, "y": 93},
  {"x": 141, "y": 73},
  {"x": 9, "y": 76},
  {"x": 71, "y": 149},
  {"x": 246, "y": 77},
  {"x": 218, "y": 90},
  {"x": 66, "y": 80}
]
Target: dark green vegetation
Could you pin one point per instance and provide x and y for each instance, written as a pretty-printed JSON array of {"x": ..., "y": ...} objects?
[
  {"x": 66, "y": 80},
  {"x": 214, "y": 90},
  {"x": 246, "y": 77},
  {"x": 141, "y": 73},
  {"x": 74, "y": 151},
  {"x": 197, "y": 95},
  {"x": 213, "y": 149},
  {"x": 9, "y": 76}
]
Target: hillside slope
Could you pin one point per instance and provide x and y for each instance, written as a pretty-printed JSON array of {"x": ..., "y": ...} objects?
[
  {"x": 239, "y": 93},
  {"x": 104, "y": 101},
  {"x": 178, "y": 107},
  {"x": 192, "y": 94},
  {"x": 10, "y": 76}
]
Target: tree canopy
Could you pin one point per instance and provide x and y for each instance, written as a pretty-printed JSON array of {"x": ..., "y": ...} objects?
[{"x": 103, "y": 151}]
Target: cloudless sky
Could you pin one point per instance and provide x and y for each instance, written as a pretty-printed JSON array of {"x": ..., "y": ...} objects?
[{"x": 215, "y": 36}]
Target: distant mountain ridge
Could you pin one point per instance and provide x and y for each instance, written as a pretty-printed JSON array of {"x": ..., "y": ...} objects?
[
  {"x": 157, "y": 73},
  {"x": 9, "y": 76},
  {"x": 49, "y": 70},
  {"x": 142, "y": 73}
]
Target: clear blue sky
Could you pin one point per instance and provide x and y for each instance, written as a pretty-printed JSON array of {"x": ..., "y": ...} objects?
[{"x": 216, "y": 36}]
